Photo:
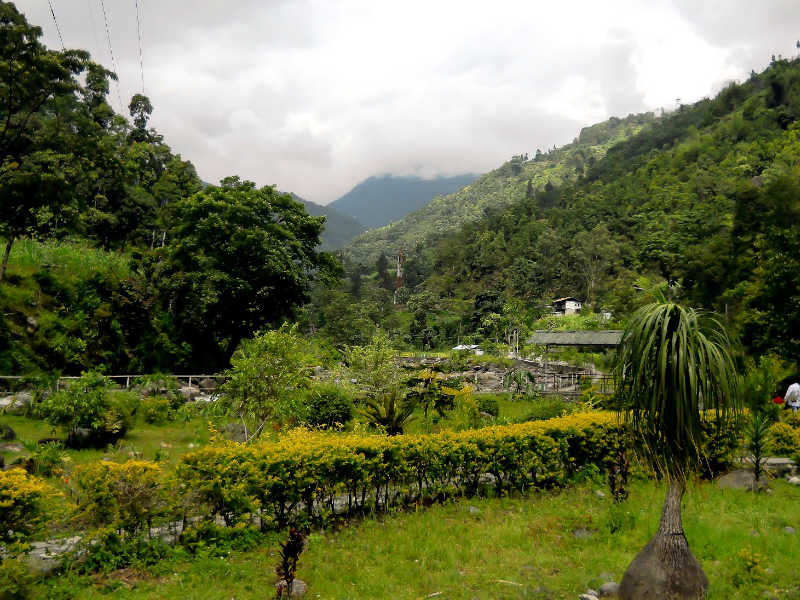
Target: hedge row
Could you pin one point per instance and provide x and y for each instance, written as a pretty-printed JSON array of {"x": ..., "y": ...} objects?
[{"x": 312, "y": 476}]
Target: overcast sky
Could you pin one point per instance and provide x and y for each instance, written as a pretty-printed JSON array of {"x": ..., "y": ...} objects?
[{"x": 314, "y": 96}]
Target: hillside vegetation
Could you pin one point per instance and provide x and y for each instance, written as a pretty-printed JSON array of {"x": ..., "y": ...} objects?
[{"x": 512, "y": 182}]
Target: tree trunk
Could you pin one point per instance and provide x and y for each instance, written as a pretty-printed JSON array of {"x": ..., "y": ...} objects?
[
  {"x": 666, "y": 569},
  {"x": 6, "y": 254}
]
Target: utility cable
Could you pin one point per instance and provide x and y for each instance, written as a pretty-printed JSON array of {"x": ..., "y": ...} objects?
[
  {"x": 98, "y": 48},
  {"x": 111, "y": 52},
  {"x": 58, "y": 29},
  {"x": 139, "y": 33}
]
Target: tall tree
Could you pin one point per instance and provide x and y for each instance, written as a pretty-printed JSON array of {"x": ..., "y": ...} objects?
[{"x": 673, "y": 362}]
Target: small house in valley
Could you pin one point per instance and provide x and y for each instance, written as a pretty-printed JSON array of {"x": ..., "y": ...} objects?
[{"x": 566, "y": 306}]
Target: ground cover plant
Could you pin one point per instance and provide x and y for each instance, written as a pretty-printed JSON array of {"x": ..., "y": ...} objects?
[{"x": 492, "y": 548}]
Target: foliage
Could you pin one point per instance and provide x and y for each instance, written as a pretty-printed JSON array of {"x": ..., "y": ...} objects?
[
  {"x": 159, "y": 385},
  {"x": 328, "y": 405},
  {"x": 756, "y": 433},
  {"x": 549, "y": 407},
  {"x": 123, "y": 496},
  {"x": 265, "y": 379},
  {"x": 671, "y": 359},
  {"x": 373, "y": 366},
  {"x": 207, "y": 537},
  {"x": 109, "y": 550},
  {"x": 758, "y": 385},
  {"x": 520, "y": 382},
  {"x": 47, "y": 460},
  {"x": 489, "y": 405},
  {"x": 287, "y": 567},
  {"x": 22, "y": 500},
  {"x": 156, "y": 410},
  {"x": 15, "y": 579},
  {"x": 784, "y": 440},
  {"x": 389, "y": 410},
  {"x": 89, "y": 403}
]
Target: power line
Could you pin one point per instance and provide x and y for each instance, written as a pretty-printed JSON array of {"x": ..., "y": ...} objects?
[
  {"x": 97, "y": 46},
  {"x": 111, "y": 52},
  {"x": 139, "y": 33},
  {"x": 58, "y": 29}
]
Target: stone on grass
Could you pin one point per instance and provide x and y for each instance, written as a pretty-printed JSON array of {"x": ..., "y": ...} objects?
[
  {"x": 587, "y": 597},
  {"x": 299, "y": 588},
  {"x": 794, "y": 480},
  {"x": 610, "y": 589},
  {"x": 789, "y": 530},
  {"x": 582, "y": 532},
  {"x": 741, "y": 479},
  {"x": 6, "y": 433},
  {"x": 473, "y": 510},
  {"x": 600, "y": 494}
]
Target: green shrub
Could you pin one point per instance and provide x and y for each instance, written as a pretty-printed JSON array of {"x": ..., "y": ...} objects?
[
  {"x": 109, "y": 551},
  {"x": 156, "y": 410},
  {"x": 328, "y": 405},
  {"x": 159, "y": 385},
  {"x": 207, "y": 536},
  {"x": 47, "y": 460},
  {"x": 22, "y": 500},
  {"x": 489, "y": 405},
  {"x": 15, "y": 579},
  {"x": 784, "y": 440},
  {"x": 89, "y": 404}
]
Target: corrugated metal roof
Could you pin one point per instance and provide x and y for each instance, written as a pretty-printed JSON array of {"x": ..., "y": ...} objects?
[{"x": 597, "y": 337}]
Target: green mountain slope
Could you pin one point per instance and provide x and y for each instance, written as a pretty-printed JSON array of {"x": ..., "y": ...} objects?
[
  {"x": 339, "y": 227},
  {"x": 379, "y": 200},
  {"x": 707, "y": 197},
  {"x": 498, "y": 188}
]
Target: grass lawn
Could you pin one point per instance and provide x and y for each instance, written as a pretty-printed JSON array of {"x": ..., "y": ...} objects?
[{"x": 504, "y": 548}]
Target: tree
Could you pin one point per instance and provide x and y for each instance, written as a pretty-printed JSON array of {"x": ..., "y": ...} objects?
[
  {"x": 31, "y": 173},
  {"x": 140, "y": 110},
  {"x": 672, "y": 361},
  {"x": 265, "y": 380},
  {"x": 593, "y": 252},
  {"x": 238, "y": 259}
]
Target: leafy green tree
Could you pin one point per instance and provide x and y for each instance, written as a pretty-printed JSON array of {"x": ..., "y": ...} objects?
[
  {"x": 266, "y": 380},
  {"x": 672, "y": 364},
  {"x": 237, "y": 259}
]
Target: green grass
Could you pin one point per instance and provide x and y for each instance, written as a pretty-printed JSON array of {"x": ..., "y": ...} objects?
[
  {"x": 510, "y": 548},
  {"x": 168, "y": 441},
  {"x": 76, "y": 259}
]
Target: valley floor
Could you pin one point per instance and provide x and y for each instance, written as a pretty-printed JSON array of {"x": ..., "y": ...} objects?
[{"x": 551, "y": 545}]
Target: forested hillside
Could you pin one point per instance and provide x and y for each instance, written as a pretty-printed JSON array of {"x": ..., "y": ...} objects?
[
  {"x": 115, "y": 257},
  {"x": 339, "y": 227},
  {"x": 706, "y": 198},
  {"x": 379, "y": 200},
  {"x": 518, "y": 178}
]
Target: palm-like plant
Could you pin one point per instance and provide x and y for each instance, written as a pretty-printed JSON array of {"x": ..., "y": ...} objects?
[
  {"x": 389, "y": 409},
  {"x": 673, "y": 363}
]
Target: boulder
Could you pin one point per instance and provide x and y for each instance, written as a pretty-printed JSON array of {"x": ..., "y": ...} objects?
[
  {"x": 789, "y": 530},
  {"x": 17, "y": 404},
  {"x": 189, "y": 392},
  {"x": 299, "y": 588},
  {"x": 794, "y": 480},
  {"x": 234, "y": 431},
  {"x": 609, "y": 590},
  {"x": 742, "y": 479}
]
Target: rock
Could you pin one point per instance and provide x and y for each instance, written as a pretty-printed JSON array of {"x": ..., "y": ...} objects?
[
  {"x": 741, "y": 479},
  {"x": 6, "y": 433},
  {"x": 794, "y": 480},
  {"x": 473, "y": 510},
  {"x": 11, "y": 447},
  {"x": 208, "y": 384},
  {"x": 609, "y": 589},
  {"x": 587, "y": 597},
  {"x": 189, "y": 392},
  {"x": 17, "y": 404},
  {"x": 318, "y": 371},
  {"x": 485, "y": 415},
  {"x": 582, "y": 532},
  {"x": 592, "y": 592},
  {"x": 32, "y": 323},
  {"x": 779, "y": 466},
  {"x": 600, "y": 494},
  {"x": 299, "y": 588},
  {"x": 789, "y": 530}
]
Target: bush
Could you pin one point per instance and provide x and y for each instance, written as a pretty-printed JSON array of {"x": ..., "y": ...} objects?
[
  {"x": 90, "y": 411},
  {"x": 207, "y": 536},
  {"x": 125, "y": 496},
  {"x": 47, "y": 460},
  {"x": 156, "y": 410},
  {"x": 109, "y": 551},
  {"x": 328, "y": 405},
  {"x": 15, "y": 579},
  {"x": 489, "y": 405},
  {"x": 159, "y": 385},
  {"x": 549, "y": 408},
  {"x": 22, "y": 500},
  {"x": 784, "y": 440}
]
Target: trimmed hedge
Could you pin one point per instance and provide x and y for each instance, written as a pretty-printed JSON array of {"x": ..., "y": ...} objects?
[{"x": 311, "y": 476}]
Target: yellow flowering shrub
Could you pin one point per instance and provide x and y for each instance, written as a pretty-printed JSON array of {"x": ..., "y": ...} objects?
[
  {"x": 784, "y": 440},
  {"x": 126, "y": 496},
  {"x": 22, "y": 499}
]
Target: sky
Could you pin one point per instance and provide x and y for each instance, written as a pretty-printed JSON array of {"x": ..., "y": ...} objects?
[{"x": 314, "y": 96}]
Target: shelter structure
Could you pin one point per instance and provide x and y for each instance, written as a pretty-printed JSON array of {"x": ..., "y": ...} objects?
[
  {"x": 598, "y": 338},
  {"x": 566, "y": 306}
]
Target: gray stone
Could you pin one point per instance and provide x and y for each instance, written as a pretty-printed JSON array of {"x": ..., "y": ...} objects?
[
  {"x": 235, "y": 432},
  {"x": 741, "y": 479},
  {"x": 208, "y": 384},
  {"x": 609, "y": 589},
  {"x": 600, "y": 494},
  {"x": 789, "y": 530},
  {"x": 582, "y": 532},
  {"x": 299, "y": 588},
  {"x": 189, "y": 392},
  {"x": 11, "y": 447},
  {"x": 6, "y": 433},
  {"x": 473, "y": 510},
  {"x": 17, "y": 404},
  {"x": 780, "y": 466},
  {"x": 587, "y": 597},
  {"x": 794, "y": 480}
]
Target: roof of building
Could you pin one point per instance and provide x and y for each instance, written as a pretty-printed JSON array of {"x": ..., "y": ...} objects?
[
  {"x": 563, "y": 299},
  {"x": 466, "y": 347},
  {"x": 596, "y": 337}
]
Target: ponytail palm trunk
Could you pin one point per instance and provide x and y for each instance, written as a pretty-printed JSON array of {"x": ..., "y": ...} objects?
[{"x": 672, "y": 364}]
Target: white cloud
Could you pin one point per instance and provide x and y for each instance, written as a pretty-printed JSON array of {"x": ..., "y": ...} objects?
[{"x": 316, "y": 95}]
